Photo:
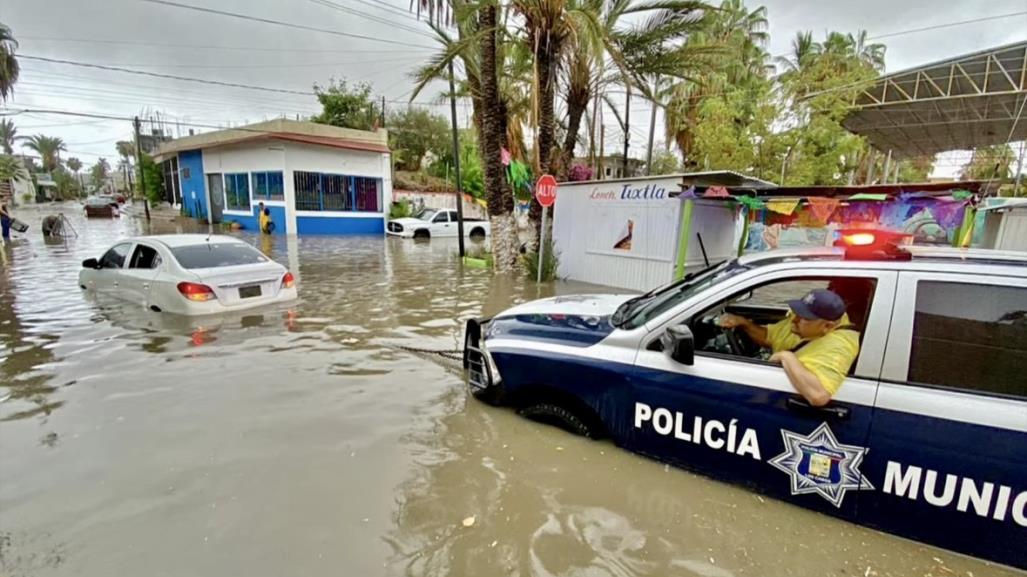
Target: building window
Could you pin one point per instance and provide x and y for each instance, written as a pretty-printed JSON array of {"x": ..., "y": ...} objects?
[
  {"x": 366, "y": 193},
  {"x": 237, "y": 191},
  {"x": 316, "y": 191},
  {"x": 268, "y": 186}
]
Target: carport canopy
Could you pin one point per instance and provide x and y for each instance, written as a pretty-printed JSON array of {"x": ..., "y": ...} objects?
[{"x": 957, "y": 104}]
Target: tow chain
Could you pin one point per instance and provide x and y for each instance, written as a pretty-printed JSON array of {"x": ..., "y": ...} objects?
[{"x": 454, "y": 355}]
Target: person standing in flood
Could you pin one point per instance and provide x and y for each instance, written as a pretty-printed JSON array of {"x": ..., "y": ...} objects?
[
  {"x": 264, "y": 214},
  {"x": 5, "y": 223}
]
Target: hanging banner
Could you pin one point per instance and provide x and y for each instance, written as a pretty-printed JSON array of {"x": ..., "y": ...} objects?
[
  {"x": 716, "y": 192},
  {"x": 783, "y": 205},
  {"x": 822, "y": 208}
]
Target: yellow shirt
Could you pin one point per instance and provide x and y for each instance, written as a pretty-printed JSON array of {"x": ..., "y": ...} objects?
[
  {"x": 829, "y": 357},
  {"x": 264, "y": 219}
]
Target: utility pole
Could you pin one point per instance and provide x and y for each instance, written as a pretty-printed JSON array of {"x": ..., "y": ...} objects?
[
  {"x": 1019, "y": 169},
  {"x": 456, "y": 161},
  {"x": 382, "y": 124},
  {"x": 142, "y": 174},
  {"x": 602, "y": 144},
  {"x": 627, "y": 129},
  {"x": 652, "y": 130}
]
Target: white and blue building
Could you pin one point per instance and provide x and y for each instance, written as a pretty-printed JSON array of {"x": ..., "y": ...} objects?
[{"x": 314, "y": 178}]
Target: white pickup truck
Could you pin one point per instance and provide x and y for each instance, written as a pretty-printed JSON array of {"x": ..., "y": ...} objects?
[{"x": 430, "y": 222}]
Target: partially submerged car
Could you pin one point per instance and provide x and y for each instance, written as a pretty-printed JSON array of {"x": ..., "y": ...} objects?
[
  {"x": 188, "y": 274},
  {"x": 926, "y": 438}
]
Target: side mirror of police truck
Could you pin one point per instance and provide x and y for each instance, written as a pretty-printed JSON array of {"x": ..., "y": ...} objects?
[
  {"x": 90, "y": 263},
  {"x": 679, "y": 344}
]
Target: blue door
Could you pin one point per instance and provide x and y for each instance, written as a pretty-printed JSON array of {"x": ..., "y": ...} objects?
[
  {"x": 736, "y": 417},
  {"x": 949, "y": 443}
]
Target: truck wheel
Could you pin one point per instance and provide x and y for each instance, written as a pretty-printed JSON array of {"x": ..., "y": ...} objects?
[
  {"x": 478, "y": 233},
  {"x": 422, "y": 234},
  {"x": 558, "y": 417}
]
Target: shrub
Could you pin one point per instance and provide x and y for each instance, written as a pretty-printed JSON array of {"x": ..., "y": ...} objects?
[
  {"x": 550, "y": 262},
  {"x": 400, "y": 209}
]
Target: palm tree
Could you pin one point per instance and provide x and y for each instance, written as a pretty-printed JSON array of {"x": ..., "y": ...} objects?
[
  {"x": 48, "y": 148},
  {"x": 12, "y": 169},
  {"x": 75, "y": 165},
  {"x": 8, "y": 135},
  {"x": 100, "y": 172},
  {"x": 734, "y": 40},
  {"x": 8, "y": 62},
  {"x": 478, "y": 45},
  {"x": 804, "y": 49},
  {"x": 126, "y": 150}
]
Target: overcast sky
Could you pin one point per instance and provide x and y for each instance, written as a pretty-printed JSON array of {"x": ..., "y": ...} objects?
[{"x": 170, "y": 40}]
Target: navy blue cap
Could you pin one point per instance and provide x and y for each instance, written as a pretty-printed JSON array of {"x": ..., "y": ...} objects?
[{"x": 819, "y": 304}]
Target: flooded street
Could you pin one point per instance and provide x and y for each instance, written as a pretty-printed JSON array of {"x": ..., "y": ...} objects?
[{"x": 304, "y": 440}]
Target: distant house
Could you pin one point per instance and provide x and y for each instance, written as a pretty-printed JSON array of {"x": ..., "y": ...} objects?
[
  {"x": 314, "y": 179},
  {"x": 613, "y": 166}
]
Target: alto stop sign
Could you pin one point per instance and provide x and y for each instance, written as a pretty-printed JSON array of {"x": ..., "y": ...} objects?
[{"x": 545, "y": 190}]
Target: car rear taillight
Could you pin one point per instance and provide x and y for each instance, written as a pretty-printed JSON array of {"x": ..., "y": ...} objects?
[
  {"x": 196, "y": 292},
  {"x": 288, "y": 281}
]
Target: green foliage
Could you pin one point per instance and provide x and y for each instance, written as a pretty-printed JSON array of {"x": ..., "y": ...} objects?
[
  {"x": 345, "y": 106},
  {"x": 49, "y": 149},
  {"x": 9, "y": 68},
  {"x": 68, "y": 187},
  {"x": 73, "y": 164},
  {"x": 990, "y": 163},
  {"x": 415, "y": 132},
  {"x": 11, "y": 169},
  {"x": 8, "y": 135},
  {"x": 100, "y": 172},
  {"x": 400, "y": 209},
  {"x": 550, "y": 262},
  {"x": 472, "y": 176},
  {"x": 153, "y": 179},
  {"x": 665, "y": 162}
]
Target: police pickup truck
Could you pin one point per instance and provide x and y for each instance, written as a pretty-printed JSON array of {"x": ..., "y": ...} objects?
[{"x": 926, "y": 437}]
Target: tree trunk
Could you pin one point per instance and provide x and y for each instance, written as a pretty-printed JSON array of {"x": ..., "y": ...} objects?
[
  {"x": 576, "y": 105},
  {"x": 493, "y": 124},
  {"x": 546, "y": 51}
]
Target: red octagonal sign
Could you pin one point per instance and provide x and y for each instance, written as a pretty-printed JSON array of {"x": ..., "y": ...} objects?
[{"x": 545, "y": 190}]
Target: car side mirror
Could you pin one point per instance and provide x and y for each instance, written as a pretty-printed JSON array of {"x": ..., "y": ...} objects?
[
  {"x": 90, "y": 263},
  {"x": 679, "y": 344}
]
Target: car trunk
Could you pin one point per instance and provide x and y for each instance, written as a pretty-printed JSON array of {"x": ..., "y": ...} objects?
[{"x": 249, "y": 283}]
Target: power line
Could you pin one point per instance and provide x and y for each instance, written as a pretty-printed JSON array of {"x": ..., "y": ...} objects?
[
  {"x": 371, "y": 17},
  {"x": 280, "y": 23},
  {"x": 265, "y": 66},
  {"x": 947, "y": 25},
  {"x": 210, "y": 46},
  {"x": 159, "y": 75}
]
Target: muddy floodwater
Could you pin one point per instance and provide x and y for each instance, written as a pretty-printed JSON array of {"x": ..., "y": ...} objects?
[{"x": 304, "y": 440}]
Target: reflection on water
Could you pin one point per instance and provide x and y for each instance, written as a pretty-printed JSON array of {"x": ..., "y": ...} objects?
[{"x": 302, "y": 440}]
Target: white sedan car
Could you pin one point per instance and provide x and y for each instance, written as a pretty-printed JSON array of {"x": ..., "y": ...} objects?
[{"x": 189, "y": 274}]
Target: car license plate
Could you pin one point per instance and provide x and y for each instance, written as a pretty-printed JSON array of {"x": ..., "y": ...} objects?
[{"x": 246, "y": 292}]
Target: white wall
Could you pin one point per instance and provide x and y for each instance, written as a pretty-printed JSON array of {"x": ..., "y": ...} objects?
[
  {"x": 291, "y": 156},
  {"x": 590, "y": 218}
]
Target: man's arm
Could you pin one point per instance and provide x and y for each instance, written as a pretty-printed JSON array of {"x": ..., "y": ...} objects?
[
  {"x": 758, "y": 333},
  {"x": 804, "y": 381}
]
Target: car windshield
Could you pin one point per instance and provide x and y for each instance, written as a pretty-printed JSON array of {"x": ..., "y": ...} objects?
[
  {"x": 641, "y": 309},
  {"x": 426, "y": 214},
  {"x": 213, "y": 255}
]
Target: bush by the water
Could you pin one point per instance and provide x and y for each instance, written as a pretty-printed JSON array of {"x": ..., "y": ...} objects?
[
  {"x": 550, "y": 262},
  {"x": 400, "y": 209}
]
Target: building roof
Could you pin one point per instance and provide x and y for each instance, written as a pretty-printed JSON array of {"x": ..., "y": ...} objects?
[
  {"x": 928, "y": 188},
  {"x": 960, "y": 103},
  {"x": 728, "y": 178},
  {"x": 280, "y": 129}
]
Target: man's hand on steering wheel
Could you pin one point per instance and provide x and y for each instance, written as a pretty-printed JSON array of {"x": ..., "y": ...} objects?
[{"x": 732, "y": 323}]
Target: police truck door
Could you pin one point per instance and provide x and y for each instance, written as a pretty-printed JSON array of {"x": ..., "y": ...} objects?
[
  {"x": 737, "y": 417},
  {"x": 948, "y": 452}
]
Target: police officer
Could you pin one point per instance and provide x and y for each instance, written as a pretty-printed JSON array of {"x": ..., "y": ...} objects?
[{"x": 815, "y": 343}]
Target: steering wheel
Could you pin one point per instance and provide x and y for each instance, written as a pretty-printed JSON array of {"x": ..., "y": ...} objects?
[{"x": 734, "y": 341}]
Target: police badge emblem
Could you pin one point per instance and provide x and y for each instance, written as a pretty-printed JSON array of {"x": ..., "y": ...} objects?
[{"x": 819, "y": 464}]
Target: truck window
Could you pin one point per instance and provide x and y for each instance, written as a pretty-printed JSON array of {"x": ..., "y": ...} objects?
[
  {"x": 970, "y": 336},
  {"x": 442, "y": 216}
]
